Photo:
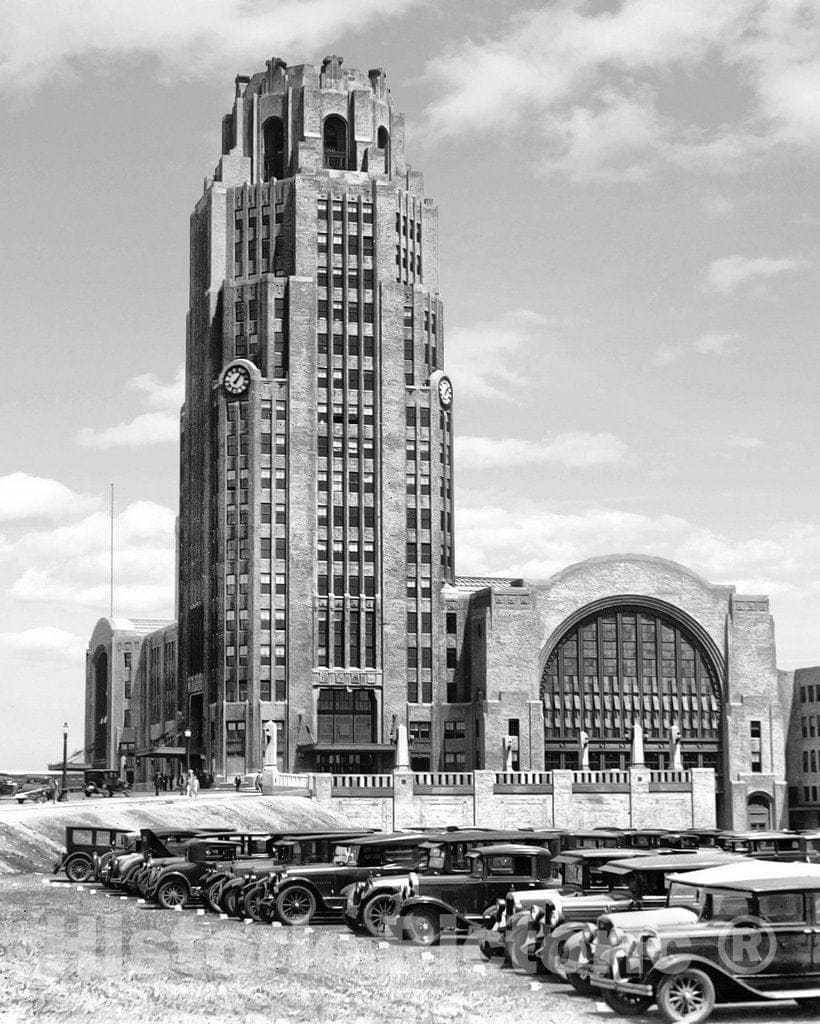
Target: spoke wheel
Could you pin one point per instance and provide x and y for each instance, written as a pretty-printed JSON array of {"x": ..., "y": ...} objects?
[
  {"x": 212, "y": 893},
  {"x": 296, "y": 905},
  {"x": 486, "y": 950},
  {"x": 172, "y": 894},
  {"x": 78, "y": 870},
  {"x": 421, "y": 927},
  {"x": 375, "y": 914},
  {"x": 255, "y": 909},
  {"x": 688, "y": 996}
]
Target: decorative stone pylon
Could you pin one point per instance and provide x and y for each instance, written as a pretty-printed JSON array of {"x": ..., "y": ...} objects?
[
  {"x": 271, "y": 752},
  {"x": 583, "y": 751},
  {"x": 675, "y": 757},
  {"x": 637, "y": 745},
  {"x": 402, "y": 749}
]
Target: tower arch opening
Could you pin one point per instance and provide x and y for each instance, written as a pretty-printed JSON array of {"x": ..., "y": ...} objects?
[
  {"x": 383, "y": 142},
  {"x": 624, "y": 663},
  {"x": 334, "y": 142},
  {"x": 273, "y": 143}
]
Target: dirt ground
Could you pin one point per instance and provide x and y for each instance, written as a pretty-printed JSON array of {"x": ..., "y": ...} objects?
[
  {"x": 67, "y": 954},
  {"x": 71, "y": 954}
]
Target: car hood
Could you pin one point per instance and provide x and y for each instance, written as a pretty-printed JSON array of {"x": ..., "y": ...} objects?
[
  {"x": 634, "y": 920},
  {"x": 539, "y": 898}
]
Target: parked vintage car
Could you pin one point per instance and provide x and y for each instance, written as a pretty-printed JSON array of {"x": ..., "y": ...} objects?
[
  {"x": 659, "y": 839},
  {"x": 513, "y": 922},
  {"x": 121, "y": 871},
  {"x": 636, "y": 886},
  {"x": 129, "y": 843},
  {"x": 296, "y": 895},
  {"x": 36, "y": 789},
  {"x": 593, "y": 839},
  {"x": 753, "y": 939},
  {"x": 237, "y": 889},
  {"x": 369, "y": 903},
  {"x": 174, "y": 883},
  {"x": 432, "y": 904},
  {"x": 102, "y": 782},
  {"x": 81, "y": 843}
]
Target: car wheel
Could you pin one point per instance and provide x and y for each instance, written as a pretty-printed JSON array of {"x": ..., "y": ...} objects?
[
  {"x": 486, "y": 950},
  {"x": 212, "y": 893},
  {"x": 229, "y": 902},
  {"x": 78, "y": 870},
  {"x": 255, "y": 908},
  {"x": 172, "y": 894},
  {"x": 520, "y": 958},
  {"x": 688, "y": 996},
  {"x": 295, "y": 905},
  {"x": 627, "y": 1004},
  {"x": 581, "y": 984},
  {"x": 375, "y": 913},
  {"x": 421, "y": 927}
]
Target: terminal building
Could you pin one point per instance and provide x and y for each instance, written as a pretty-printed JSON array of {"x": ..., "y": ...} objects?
[{"x": 316, "y": 557}]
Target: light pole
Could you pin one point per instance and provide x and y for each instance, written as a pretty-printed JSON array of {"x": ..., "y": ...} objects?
[
  {"x": 64, "y": 782},
  {"x": 187, "y": 735}
]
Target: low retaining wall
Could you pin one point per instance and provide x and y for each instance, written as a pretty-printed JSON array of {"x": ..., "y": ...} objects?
[{"x": 636, "y": 798}]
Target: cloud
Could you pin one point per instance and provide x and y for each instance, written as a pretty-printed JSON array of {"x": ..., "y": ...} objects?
[
  {"x": 744, "y": 442},
  {"x": 25, "y": 497},
  {"x": 147, "y": 428},
  {"x": 69, "y": 565},
  {"x": 159, "y": 426},
  {"x": 713, "y": 343},
  {"x": 165, "y": 397},
  {"x": 43, "y": 643},
  {"x": 606, "y": 86},
  {"x": 574, "y": 450},
  {"x": 730, "y": 272},
  {"x": 536, "y": 542},
  {"x": 486, "y": 360},
  {"x": 189, "y": 39}
]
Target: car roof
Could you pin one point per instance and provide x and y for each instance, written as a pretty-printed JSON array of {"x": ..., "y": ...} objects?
[
  {"x": 749, "y": 868},
  {"x": 388, "y": 839},
  {"x": 509, "y": 850},
  {"x": 605, "y": 853},
  {"x": 764, "y": 884},
  {"x": 761, "y": 834},
  {"x": 673, "y": 862},
  {"x": 600, "y": 833}
]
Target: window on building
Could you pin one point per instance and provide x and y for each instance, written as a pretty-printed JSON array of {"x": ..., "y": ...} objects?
[
  {"x": 334, "y": 140},
  {"x": 345, "y": 716}
]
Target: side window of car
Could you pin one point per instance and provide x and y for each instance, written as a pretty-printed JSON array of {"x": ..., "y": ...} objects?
[
  {"x": 781, "y": 907},
  {"x": 728, "y": 906},
  {"x": 815, "y": 900},
  {"x": 499, "y": 866},
  {"x": 372, "y": 856},
  {"x": 82, "y": 837}
]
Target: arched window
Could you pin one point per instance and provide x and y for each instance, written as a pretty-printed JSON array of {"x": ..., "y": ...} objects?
[
  {"x": 100, "y": 704},
  {"x": 625, "y": 665},
  {"x": 383, "y": 140},
  {"x": 273, "y": 141},
  {"x": 335, "y": 142}
]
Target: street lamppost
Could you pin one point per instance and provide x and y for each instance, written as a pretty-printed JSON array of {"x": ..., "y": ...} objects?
[
  {"x": 64, "y": 782},
  {"x": 187, "y": 735}
]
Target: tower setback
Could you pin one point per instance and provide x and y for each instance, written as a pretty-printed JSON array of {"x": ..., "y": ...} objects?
[{"x": 316, "y": 472}]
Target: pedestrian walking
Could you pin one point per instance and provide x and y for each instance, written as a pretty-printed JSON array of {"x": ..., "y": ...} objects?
[
  {"x": 181, "y": 784},
  {"x": 157, "y": 783},
  {"x": 193, "y": 784},
  {"x": 237, "y": 781},
  {"x": 257, "y": 784}
]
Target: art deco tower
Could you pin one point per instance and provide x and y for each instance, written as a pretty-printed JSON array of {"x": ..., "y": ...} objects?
[{"x": 316, "y": 473}]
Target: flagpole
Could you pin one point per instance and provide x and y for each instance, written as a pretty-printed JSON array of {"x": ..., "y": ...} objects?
[{"x": 111, "y": 517}]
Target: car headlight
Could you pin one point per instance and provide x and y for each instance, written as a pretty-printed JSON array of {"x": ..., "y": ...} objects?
[
  {"x": 615, "y": 936},
  {"x": 589, "y": 934},
  {"x": 413, "y": 879},
  {"x": 651, "y": 946}
]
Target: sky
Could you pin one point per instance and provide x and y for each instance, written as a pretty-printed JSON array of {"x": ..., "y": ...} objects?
[{"x": 629, "y": 267}]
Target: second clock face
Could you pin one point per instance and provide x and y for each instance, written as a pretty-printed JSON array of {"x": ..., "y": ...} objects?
[
  {"x": 236, "y": 380},
  {"x": 445, "y": 392}
]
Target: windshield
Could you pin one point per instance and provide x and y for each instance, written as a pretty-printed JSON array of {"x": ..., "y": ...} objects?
[
  {"x": 574, "y": 874},
  {"x": 682, "y": 895},
  {"x": 432, "y": 860},
  {"x": 344, "y": 855}
]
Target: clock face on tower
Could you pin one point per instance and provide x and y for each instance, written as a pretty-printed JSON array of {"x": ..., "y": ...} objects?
[
  {"x": 445, "y": 392},
  {"x": 236, "y": 380}
]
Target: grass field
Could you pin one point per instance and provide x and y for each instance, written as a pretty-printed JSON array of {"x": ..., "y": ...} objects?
[{"x": 67, "y": 955}]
